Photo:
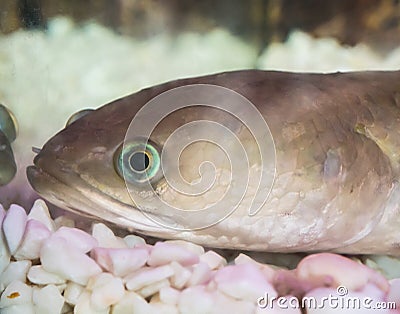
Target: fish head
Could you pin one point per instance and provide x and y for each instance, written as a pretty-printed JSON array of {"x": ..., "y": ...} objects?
[{"x": 154, "y": 164}]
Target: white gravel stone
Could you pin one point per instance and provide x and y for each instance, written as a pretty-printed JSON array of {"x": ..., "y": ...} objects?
[
  {"x": 39, "y": 276},
  {"x": 244, "y": 281},
  {"x": 180, "y": 277},
  {"x": 213, "y": 260},
  {"x": 169, "y": 295},
  {"x": 84, "y": 306},
  {"x": 40, "y": 212},
  {"x": 59, "y": 257},
  {"x": 16, "y": 293},
  {"x": 158, "y": 307},
  {"x": 386, "y": 265},
  {"x": 15, "y": 271},
  {"x": 226, "y": 304},
  {"x": 133, "y": 240},
  {"x": 120, "y": 262},
  {"x": 164, "y": 253},
  {"x": 72, "y": 292},
  {"x": 14, "y": 227},
  {"x": 196, "y": 300},
  {"x": 153, "y": 288},
  {"x": 284, "y": 309},
  {"x": 132, "y": 303},
  {"x": 64, "y": 221},
  {"x": 148, "y": 276},
  {"x": 194, "y": 248},
  {"x": 77, "y": 238},
  {"x": 5, "y": 255},
  {"x": 26, "y": 308},
  {"x": 106, "y": 290},
  {"x": 106, "y": 238},
  {"x": 201, "y": 274},
  {"x": 47, "y": 300},
  {"x": 35, "y": 233}
]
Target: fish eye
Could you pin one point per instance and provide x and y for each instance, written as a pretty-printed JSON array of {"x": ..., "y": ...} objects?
[
  {"x": 8, "y": 123},
  {"x": 78, "y": 115},
  {"x": 138, "y": 162}
]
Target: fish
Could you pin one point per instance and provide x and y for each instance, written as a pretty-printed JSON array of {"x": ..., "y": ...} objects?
[
  {"x": 8, "y": 134},
  {"x": 251, "y": 160}
]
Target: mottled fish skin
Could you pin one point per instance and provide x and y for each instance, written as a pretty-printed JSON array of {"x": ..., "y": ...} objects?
[{"x": 337, "y": 163}]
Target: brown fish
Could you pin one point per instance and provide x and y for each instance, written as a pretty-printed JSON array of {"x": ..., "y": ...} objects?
[{"x": 321, "y": 173}]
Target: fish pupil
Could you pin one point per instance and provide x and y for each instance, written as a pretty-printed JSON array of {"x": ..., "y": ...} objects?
[{"x": 139, "y": 161}]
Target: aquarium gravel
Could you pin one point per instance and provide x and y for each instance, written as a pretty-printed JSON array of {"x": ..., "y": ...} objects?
[{"x": 49, "y": 265}]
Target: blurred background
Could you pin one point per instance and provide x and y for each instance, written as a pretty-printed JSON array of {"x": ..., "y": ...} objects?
[{"x": 260, "y": 22}]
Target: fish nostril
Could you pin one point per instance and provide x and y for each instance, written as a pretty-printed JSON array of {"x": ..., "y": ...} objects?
[
  {"x": 36, "y": 150},
  {"x": 37, "y": 158}
]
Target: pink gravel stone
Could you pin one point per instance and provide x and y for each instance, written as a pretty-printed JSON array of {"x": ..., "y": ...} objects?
[
  {"x": 243, "y": 281},
  {"x": 273, "y": 306},
  {"x": 60, "y": 257},
  {"x": 164, "y": 253},
  {"x": 267, "y": 270},
  {"x": 324, "y": 267},
  {"x": 394, "y": 292},
  {"x": 35, "y": 233},
  {"x": 347, "y": 301},
  {"x": 14, "y": 224},
  {"x": 120, "y": 262},
  {"x": 77, "y": 238}
]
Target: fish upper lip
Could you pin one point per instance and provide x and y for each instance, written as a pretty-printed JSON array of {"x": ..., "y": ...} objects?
[{"x": 74, "y": 199}]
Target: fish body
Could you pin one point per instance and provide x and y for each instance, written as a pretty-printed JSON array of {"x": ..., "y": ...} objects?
[{"x": 334, "y": 184}]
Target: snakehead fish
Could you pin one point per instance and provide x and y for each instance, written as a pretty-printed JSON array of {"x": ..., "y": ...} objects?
[{"x": 320, "y": 168}]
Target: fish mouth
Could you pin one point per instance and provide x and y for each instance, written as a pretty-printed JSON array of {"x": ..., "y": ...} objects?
[{"x": 76, "y": 195}]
